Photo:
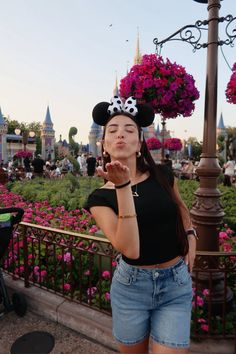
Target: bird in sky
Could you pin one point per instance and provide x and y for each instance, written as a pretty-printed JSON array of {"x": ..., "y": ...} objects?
[{"x": 110, "y": 25}]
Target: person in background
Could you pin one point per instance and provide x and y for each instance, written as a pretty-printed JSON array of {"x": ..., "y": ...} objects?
[
  {"x": 140, "y": 211},
  {"x": 38, "y": 165},
  {"x": 168, "y": 161},
  {"x": 91, "y": 165},
  {"x": 229, "y": 171}
]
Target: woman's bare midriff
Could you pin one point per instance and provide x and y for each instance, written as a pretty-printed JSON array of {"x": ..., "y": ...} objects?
[{"x": 161, "y": 265}]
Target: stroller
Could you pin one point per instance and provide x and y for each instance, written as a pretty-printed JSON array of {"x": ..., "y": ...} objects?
[{"x": 9, "y": 220}]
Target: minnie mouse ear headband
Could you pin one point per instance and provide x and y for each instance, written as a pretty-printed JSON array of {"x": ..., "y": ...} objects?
[{"x": 142, "y": 114}]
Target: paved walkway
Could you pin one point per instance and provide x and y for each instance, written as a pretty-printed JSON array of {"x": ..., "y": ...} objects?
[{"x": 67, "y": 341}]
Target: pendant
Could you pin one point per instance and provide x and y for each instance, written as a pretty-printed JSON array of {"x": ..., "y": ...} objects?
[{"x": 135, "y": 194}]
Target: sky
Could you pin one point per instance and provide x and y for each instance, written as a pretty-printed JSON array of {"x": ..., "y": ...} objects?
[{"x": 67, "y": 53}]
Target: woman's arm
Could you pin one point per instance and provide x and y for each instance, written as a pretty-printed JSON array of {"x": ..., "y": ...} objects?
[
  {"x": 189, "y": 259},
  {"x": 122, "y": 232}
]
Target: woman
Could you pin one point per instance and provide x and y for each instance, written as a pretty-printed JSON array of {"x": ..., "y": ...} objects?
[{"x": 141, "y": 212}]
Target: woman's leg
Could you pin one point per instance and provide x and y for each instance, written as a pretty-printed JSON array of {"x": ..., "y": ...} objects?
[
  {"x": 161, "y": 349},
  {"x": 140, "y": 348}
]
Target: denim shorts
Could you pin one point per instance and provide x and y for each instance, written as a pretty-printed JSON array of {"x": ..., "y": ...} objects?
[{"x": 152, "y": 302}]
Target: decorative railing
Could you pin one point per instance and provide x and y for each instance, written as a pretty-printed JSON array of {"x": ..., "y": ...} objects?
[{"x": 79, "y": 267}]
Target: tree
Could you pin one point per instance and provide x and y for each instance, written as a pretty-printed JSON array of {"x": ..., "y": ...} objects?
[
  {"x": 196, "y": 147},
  {"x": 74, "y": 146}
]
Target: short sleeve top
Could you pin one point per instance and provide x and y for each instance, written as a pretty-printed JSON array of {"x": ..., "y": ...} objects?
[{"x": 156, "y": 216}]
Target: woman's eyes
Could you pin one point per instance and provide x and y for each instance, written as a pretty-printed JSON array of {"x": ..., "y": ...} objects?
[{"x": 127, "y": 130}]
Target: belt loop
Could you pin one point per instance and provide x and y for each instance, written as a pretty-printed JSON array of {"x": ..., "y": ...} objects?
[
  {"x": 134, "y": 275},
  {"x": 118, "y": 258}
]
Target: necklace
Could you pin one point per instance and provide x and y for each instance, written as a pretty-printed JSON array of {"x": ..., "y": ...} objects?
[{"x": 135, "y": 192}]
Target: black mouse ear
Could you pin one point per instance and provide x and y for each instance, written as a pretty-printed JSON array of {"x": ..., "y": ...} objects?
[
  {"x": 145, "y": 115},
  {"x": 100, "y": 113}
]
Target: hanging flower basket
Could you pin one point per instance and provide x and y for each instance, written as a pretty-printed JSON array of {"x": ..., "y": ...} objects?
[
  {"x": 22, "y": 153},
  {"x": 173, "y": 144},
  {"x": 231, "y": 87},
  {"x": 165, "y": 85},
  {"x": 153, "y": 144}
]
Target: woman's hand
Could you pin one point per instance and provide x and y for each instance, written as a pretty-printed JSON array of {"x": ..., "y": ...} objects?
[
  {"x": 190, "y": 257},
  {"x": 116, "y": 173}
]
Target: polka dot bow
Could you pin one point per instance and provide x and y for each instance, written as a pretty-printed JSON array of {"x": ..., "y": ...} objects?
[{"x": 129, "y": 106}]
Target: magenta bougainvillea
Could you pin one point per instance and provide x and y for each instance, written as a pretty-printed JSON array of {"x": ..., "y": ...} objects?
[
  {"x": 153, "y": 144},
  {"x": 231, "y": 87},
  {"x": 163, "y": 84},
  {"x": 22, "y": 153},
  {"x": 173, "y": 144}
]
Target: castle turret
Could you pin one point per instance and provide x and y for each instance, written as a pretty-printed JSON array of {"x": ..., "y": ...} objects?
[
  {"x": 94, "y": 137},
  {"x": 221, "y": 126},
  {"x": 116, "y": 89},
  {"x": 3, "y": 143},
  {"x": 138, "y": 55},
  {"x": 48, "y": 138}
]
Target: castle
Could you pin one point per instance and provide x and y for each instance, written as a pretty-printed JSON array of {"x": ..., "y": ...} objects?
[{"x": 10, "y": 144}]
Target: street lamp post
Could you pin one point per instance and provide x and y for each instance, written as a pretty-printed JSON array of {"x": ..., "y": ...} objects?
[
  {"x": 25, "y": 136},
  {"x": 207, "y": 212}
]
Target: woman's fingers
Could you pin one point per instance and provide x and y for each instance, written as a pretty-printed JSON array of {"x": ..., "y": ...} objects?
[{"x": 101, "y": 172}]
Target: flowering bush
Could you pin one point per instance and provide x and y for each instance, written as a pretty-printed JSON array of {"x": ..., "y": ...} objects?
[
  {"x": 42, "y": 213},
  {"x": 173, "y": 144},
  {"x": 153, "y": 144},
  {"x": 231, "y": 87},
  {"x": 165, "y": 85},
  {"x": 23, "y": 153}
]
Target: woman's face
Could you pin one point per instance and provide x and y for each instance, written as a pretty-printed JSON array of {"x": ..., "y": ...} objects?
[{"x": 121, "y": 139}]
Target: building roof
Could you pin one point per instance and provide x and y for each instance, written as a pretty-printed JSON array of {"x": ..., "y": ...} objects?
[
  {"x": 221, "y": 122},
  {"x": 48, "y": 119}
]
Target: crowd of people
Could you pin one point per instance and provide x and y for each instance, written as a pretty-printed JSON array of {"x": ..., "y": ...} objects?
[
  {"x": 30, "y": 168},
  {"x": 38, "y": 167}
]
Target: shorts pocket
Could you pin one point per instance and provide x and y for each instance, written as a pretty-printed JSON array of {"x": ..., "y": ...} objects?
[
  {"x": 123, "y": 276},
  {"x": 182, "y": 275}
]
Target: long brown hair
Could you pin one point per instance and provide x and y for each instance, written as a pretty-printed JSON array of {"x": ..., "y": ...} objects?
[{"x": 146, "y": 163}]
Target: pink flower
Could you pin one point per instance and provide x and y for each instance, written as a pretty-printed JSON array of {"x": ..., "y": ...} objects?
[
  {"x": 223, "y": 235},
  {"x": 205, "y": 327},
  {"x": 68, "y": 257},
  {"x": 153, "y": 144},
  {"x": 91, "y": 291},
  {"x": 227, "y": 247},
  {"x": 231, "y": 87},
  {"x": 67, "y": 287},
  {"x": 87, "y": 272},
  {"x": 205, "y": 292},
  {"x": 106, "y": 274},
  {"x": 107, "y": 296}
]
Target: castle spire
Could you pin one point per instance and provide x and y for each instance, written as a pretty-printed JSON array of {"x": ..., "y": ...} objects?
[
  {"x": 138, "y": 56},
  {"x": 48, "y": 119},
  {"x": 221, "y": 124},
  {"x": 116, "y": 90}
]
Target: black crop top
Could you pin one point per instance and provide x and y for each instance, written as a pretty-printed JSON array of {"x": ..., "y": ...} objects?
[{"x": 156, "y": 215}]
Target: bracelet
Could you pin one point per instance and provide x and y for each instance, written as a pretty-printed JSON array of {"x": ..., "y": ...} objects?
[
  {"x": 192, "y": 232},
  {"x": 122, "y": 185},
  {"x": 127, "y": 216}
]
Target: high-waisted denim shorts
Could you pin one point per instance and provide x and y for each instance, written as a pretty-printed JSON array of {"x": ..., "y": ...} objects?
[{"x": 152, "y": 302}]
